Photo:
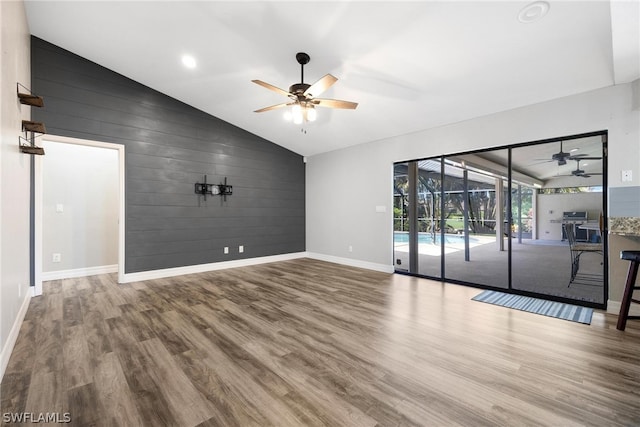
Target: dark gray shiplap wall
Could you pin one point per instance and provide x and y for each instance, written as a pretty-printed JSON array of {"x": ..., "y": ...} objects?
[{"x": 169, "y": 147}]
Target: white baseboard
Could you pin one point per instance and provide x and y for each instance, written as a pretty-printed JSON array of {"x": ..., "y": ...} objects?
[
  {"x": 79, "y": 272},
  {"x": 384, "y": 268},
  {"x": 13, "y": 335},
  {"x": 202, "y": 268},
  {"x": 613, "y": 307}
]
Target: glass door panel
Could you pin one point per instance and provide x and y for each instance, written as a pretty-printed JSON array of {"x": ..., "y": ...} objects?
[
  {"x": 474, "y": 242},
  {"x": 569, "y": 178},
  {"x": 429, "y": 201},
  {"x": 401, "y": 193}
]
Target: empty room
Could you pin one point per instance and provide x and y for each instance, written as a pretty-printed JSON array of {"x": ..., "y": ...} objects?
[{"x": 345, "y": 213}]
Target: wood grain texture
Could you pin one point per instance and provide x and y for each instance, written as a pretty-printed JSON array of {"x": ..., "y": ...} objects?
[{"x": 305, "y": 342}]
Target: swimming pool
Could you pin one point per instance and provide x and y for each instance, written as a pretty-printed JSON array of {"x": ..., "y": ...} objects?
[{"x": 403, "y": 237}]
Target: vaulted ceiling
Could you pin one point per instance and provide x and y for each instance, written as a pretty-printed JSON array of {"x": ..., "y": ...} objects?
[{"x": 410, "y": 65}]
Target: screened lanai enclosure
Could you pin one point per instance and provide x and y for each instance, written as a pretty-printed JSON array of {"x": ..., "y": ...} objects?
[{"x": 496, "y": 218}]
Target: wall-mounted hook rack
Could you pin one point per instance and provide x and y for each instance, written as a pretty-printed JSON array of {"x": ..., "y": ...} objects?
[{"x": 222, "y": 189}]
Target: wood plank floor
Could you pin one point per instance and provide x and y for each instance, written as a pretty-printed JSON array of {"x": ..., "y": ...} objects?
[{"x": 306, "y": 342}]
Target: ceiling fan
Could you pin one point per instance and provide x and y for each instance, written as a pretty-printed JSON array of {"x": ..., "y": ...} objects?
[
  {"x": 580, "y": 172},
  {"x": 561, "y": 157},
  {"x": 303, "y": 95}
]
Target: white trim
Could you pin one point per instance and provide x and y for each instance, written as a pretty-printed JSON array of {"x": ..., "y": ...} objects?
[
  {"x": 39, "y": 275},
  {"x": 202, "y": 268},
  {"x": 38, "y": 184},
  {"x": 613, "y": 307},
  {"x": 384, "y": 268},
  {"x": 79, "y": 272},
  {"x": 13, "y": 335}
]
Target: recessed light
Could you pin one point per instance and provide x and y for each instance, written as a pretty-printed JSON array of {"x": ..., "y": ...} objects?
[
  {"x": 189, "y": 61},
  {"x": 533, "y": 12}
]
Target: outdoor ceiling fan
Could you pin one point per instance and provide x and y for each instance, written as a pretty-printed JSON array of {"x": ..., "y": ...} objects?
[
  {"x": 303, "y": 95},
  {"x": 561, "y": 157},
  {"x": 580, "y": 172}
]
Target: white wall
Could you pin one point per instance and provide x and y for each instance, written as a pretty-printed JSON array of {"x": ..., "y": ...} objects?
[
  {"x": 345, "y": 186},
  {"x": 83, "y": 181},
  {"x": 15, "y": 177}
]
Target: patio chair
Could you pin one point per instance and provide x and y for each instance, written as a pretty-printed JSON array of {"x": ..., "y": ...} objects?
[{"x": 577, "y": 249}]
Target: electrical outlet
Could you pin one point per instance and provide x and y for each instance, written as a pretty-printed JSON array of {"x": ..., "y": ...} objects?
[
  {"x": 226, "y": 249},
  {"x": 350, "y": 248},
  {"x": 241, "y": 249},
  {"x": 56, "y": 258}
]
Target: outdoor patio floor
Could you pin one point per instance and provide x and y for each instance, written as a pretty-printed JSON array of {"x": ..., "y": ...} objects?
[{"x": 538, "y": 266}]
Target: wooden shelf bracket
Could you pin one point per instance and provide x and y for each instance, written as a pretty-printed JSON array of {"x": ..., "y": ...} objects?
[
  {"x": 29, "y": 98},
  {"x": 30, "y": 128}
]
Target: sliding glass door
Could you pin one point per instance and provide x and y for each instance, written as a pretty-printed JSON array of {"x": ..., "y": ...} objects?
[
  {"x": 571, "y": 196},
  {"x": 497, "y": 218},
  {"x": 401, "y": 196},
  {"x": 476, "y": 227},
  {"x": 417, "y": 206}
]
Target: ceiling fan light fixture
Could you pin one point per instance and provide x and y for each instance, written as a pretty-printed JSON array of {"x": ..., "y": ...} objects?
[
  {"x": 311, "y": 114},
  {"x": 296, "y": 113},
  {"x": 303, "y": 96}
]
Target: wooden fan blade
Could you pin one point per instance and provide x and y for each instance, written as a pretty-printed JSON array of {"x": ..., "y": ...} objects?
[
  {"x": 320, "y": 86},
  {"x": 273, "y": 107},
  {"x": 335, "y": 103},
  {"x": 272, "y": 87}
]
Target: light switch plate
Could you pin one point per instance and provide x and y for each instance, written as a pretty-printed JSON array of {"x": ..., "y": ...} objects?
[
  {"x": 626, "y": 176},
  {"x": 59, "y": 207}
]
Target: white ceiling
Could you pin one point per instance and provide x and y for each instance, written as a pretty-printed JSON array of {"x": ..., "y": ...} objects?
[
  {"x": 536, "y": 162},
  {"x": 410, "y": 65}
]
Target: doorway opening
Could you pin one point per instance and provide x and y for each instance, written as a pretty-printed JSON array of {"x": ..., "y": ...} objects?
[{"x": 78, "y": 209}]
